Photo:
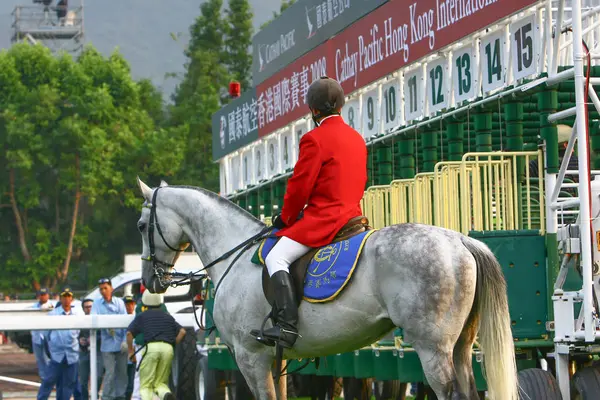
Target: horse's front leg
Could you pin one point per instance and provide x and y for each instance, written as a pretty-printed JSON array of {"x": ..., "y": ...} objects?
[{"x": 256, "y": 368}]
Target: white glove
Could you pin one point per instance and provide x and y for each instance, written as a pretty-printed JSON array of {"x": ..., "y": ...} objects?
[{"x": 124, "y": 348}]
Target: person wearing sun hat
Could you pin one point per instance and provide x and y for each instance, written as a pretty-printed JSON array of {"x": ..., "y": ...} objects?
[
  {"x": 161, "y": 333},
  {"x": 138, "y": 342}
]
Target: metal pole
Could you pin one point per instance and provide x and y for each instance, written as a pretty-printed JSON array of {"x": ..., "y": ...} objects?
[
  {"x": 564, "y": 165},
  {"x": 93, "y": 365},
  {"x": 557, "y": 36},
  {"x": 584, "y": 179}
]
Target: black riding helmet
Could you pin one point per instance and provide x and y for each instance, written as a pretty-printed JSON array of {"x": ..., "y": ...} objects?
[{"x": 325, "y": 95}]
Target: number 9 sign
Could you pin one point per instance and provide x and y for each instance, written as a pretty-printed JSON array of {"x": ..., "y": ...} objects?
[{"x": 371, "y": 111}]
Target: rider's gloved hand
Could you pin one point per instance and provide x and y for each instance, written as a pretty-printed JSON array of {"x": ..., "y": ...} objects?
[{"x": 277, "y": 222}]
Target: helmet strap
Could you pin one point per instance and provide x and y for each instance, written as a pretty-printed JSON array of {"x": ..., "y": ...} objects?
[{"x": 320, "y": 115}]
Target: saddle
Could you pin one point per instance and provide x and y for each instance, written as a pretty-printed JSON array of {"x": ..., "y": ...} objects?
[{"x": 300, "y": 266}]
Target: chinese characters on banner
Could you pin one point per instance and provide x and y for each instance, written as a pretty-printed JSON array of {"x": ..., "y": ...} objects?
[
  {"x": 235, "y": 125},
  {"x": 282, "y": 97}
]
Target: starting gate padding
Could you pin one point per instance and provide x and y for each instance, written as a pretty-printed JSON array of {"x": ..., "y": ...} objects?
[{"x": 522, "y": 255}]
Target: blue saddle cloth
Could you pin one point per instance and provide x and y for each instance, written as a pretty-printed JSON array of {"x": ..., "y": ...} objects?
[{"x": 329, "y": 270}]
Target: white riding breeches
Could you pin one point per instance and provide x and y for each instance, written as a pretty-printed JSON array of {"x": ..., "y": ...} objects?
[{"x": 284, "y": 253}]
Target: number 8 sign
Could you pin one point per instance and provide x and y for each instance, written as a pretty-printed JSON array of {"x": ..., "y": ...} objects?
[{"x": 350, "y": 112}]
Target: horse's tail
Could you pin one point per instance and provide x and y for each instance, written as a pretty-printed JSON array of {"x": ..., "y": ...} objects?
[{"x": 495, "y": 335}]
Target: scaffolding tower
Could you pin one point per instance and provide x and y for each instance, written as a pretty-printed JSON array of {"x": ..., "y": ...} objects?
[{"x": 56, "y": 24}]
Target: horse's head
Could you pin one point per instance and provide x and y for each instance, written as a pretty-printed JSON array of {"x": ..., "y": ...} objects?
[{"x": 163, "y": 239}]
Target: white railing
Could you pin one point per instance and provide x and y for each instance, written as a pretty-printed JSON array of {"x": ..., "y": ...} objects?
[{"x": 91, "y": 322}]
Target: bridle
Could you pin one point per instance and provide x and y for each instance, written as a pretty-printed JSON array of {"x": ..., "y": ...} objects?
[{"x": 161, "y": 267}]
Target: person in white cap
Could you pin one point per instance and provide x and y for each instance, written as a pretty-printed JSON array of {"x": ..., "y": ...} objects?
[{"x": 161, "y": 334}]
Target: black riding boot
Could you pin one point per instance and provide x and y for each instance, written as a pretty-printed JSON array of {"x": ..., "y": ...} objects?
[{"x": 285, "y": 332}]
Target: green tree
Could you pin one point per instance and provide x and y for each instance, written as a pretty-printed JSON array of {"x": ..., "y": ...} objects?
[
  {"x": 239, "y": 39},
  {"x": 74, "y": 136},
  {"x": 202, "y": 91}
]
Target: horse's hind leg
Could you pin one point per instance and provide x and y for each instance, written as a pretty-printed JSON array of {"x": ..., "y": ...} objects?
[
  {"x": 463, "y": 359},
  {"x": 439, "y": 371}
]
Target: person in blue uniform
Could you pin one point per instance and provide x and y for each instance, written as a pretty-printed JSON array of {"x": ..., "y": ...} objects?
[{"x": 63, "y": 348}]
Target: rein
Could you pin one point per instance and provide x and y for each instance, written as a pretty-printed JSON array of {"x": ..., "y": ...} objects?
[{"x": 186, "y": 279}]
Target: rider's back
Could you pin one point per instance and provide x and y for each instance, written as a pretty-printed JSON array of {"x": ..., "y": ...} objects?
[
  {"x": 339, "y": 186},
  {"x": 343, "y": 177}
]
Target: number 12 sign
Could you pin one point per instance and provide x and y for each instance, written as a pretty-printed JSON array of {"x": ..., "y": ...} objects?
[{"x": 437, "y": 95}]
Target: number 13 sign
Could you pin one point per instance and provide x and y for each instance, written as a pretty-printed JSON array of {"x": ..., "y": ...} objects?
[{"x": 464, "y": 74}]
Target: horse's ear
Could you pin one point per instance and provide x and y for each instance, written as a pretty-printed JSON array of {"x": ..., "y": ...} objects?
[
  {"x": 163, "y": 183},
  {"x": 146, "y": 191}
]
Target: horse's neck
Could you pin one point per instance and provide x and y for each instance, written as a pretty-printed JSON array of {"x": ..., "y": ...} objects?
[{"x": 214, "y": 227}]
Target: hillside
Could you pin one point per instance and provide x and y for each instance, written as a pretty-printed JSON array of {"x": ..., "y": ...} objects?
[{"x": 141, "y": 29}]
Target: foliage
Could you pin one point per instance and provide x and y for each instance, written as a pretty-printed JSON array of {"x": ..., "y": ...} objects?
[
  {"x": 239, "y": 39},
  {"x": 74, "y": 135},
  {"x": 202, "y": 91}
]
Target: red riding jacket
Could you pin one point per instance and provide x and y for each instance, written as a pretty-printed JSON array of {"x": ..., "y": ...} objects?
[{"x": 329, "y": 178}]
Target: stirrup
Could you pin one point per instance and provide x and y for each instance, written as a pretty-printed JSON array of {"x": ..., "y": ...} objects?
[
  {"x": 281, "y": 340},
  {"x": 259, "y": 334}
]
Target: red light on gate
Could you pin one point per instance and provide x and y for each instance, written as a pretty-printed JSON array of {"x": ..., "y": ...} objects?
[{"x": 235, "y": 89}]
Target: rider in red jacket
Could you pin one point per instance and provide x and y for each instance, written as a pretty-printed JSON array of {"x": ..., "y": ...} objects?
[{"x": 327, "y": 185}]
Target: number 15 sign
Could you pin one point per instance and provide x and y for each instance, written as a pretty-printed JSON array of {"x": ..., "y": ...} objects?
[{"x": 524, "y": 47}]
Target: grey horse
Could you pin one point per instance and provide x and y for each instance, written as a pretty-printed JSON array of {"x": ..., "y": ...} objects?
[{"x": 443, "y": 288}]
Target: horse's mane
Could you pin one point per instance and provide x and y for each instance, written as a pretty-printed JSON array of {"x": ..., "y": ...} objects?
[{"x": 228, "y": 204}]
